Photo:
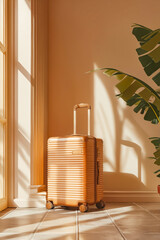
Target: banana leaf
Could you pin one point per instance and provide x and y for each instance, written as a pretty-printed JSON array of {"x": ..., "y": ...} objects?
[
  {"x": 149, "y": 50},
  {"x": 137, "y": 93},
  {"x": 156, "y": 142}
]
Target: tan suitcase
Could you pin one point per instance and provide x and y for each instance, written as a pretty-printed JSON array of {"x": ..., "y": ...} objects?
[{"x": 75, "y": 169}]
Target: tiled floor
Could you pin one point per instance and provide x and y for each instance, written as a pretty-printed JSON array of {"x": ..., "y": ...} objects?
[{"x": 118, "y": 221}]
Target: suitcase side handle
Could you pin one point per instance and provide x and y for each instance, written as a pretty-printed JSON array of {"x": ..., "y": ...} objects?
[
  {"x": 98, "y": 173},
  {"x": 82, "y": 105}
]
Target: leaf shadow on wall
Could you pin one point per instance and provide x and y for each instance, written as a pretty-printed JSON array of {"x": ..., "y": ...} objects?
[{"x": 118, "y": 136}]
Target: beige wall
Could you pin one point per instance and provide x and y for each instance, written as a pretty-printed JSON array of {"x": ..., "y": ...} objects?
[{"x": 87, "y": 34}]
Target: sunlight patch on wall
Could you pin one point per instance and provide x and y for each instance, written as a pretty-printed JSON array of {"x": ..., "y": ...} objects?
[
  {"x": 23, "y": 97},
  {"x": 129, "y": 160},
  {"x": 24, "y": 105},
  {"x": 24, "y": 132},
  {"x": 104, "y": 122},
  {"x": 24, "y": 35},
  {"x": 132, "y": 151}
]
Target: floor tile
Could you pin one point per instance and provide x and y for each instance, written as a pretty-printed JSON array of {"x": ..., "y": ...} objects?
[
  {"x": 94, "y": 222},
  {"x": 108, "y": 236},
  {"x": 152, "y": 208},
  {"x": 134, "y": 221},
  {"x": 122, "y": 208},
  {"x": 58, "y": 222},
  {"x": 118, "y": 205},
  {"x": 140, "y": 229},
  {"x": 142, "y": 236},
  {"x": 61, "y": 236},
  {"x": 20, "y": 223},
  {"x": 6, "y": 212},
  {"x": 14, "y": 236}
]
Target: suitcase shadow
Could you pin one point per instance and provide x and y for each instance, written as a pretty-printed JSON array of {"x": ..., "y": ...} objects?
[{"x": 92, "y": 208}]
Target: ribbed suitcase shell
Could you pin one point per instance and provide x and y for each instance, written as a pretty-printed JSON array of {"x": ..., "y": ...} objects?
[{"x": 75, "y": 170}]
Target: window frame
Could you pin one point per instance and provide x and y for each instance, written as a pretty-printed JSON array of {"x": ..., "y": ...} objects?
[{"x": 4, "y": 118}]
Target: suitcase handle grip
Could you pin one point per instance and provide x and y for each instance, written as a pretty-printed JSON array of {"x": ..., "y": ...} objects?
[{"x": 82, "y": 105}]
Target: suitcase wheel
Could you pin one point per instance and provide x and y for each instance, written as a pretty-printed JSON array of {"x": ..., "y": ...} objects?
[
  {"x": 49, "y": 205},
  {"x": 83, "y": 207},
  {"x": 100, "y": 204}
]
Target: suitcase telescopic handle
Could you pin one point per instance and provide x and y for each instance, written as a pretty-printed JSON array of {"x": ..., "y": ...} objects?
[{"x": 82, "y": 105}]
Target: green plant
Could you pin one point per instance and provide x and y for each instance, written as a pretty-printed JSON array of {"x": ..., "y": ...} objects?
[{"x": 136, "y": 92}]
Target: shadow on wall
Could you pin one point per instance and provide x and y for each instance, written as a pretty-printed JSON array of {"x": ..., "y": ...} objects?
[{"x": 125, "y": 150}]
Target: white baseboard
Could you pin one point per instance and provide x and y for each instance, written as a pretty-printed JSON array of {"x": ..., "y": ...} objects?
[
  {"x": 131, "y": 196},
  {"x": 33, "y": 200},
  {"x": 35, "y": 197},
  {"x": 39, "y": 201},
  {"x": 27, "y": 203}
]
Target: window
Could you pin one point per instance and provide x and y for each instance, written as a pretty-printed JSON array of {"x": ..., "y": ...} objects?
[{"x": 3, "y": 103}]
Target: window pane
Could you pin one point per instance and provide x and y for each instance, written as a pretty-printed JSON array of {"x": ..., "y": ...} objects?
[
  {"x": 1, "y": 21},
  {"x": 1, "y": 83},
  {"x": 2, "y": 140}
]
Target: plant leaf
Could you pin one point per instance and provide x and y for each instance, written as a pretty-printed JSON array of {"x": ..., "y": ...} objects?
[
  {"x": 149, "y": 51},
  {"x": 128, "y": 87},
  {"x": 140, "y": 31},
  {"x": 157, "y": 162},
  {"x": 156, "y": 142},
  {"x": 150, "y": 114},
  {"x": 157, "y": 154}
]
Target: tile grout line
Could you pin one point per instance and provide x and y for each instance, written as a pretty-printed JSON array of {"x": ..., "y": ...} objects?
[
  {"x": 116, "y": 226},
  {"x": 77, "y": 226},
  {"x": 35, "y": 231},
  {"x": 146, "y": 210}
]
